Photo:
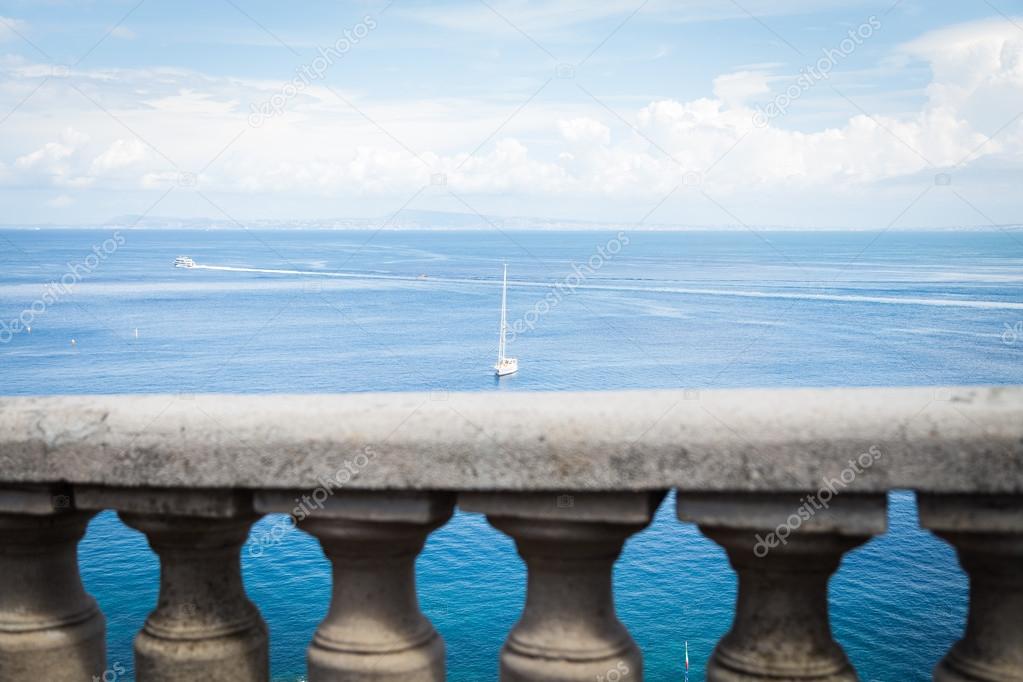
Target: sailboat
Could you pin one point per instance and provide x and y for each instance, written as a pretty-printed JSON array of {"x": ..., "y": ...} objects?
[{"x": 505, "y": 365}]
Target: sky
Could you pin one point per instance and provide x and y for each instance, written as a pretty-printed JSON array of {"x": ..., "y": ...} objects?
[{"x": 815, "y": 114}]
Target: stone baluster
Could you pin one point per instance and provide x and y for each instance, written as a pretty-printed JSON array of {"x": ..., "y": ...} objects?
[
  {"x": 784, "y": 549},
  {"x": 568, "y": 631},
  {"x": 374, "y": 630},
  {"x": 987, "y": 533},
  {"x": 50, "y": 629},
  {"x": 204, "y": 627}
]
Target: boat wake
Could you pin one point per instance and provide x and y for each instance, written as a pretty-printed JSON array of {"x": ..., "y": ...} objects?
[{"x": 691, "y": 291}]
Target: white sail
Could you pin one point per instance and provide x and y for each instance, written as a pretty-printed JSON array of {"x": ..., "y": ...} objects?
[
  {"x": 505, "y": 365},
  {"x": 504, "y": 317}
]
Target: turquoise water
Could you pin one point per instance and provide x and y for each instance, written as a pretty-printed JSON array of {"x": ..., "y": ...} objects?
[{"x": 670, "y": 310}]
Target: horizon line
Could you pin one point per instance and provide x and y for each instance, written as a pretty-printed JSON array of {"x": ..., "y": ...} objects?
[{"x": 1009, "y": 227}]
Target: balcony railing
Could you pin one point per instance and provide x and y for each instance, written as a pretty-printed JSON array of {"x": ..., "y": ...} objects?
[{"x": 786, "y": 481}]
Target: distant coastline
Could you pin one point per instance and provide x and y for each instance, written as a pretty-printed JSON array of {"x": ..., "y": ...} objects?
[{"x": 439, "y": 221}]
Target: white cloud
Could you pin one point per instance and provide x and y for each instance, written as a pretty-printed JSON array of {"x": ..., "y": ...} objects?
[
  {"x": 10, "y": 28},
  {"x": 737, "y": 88},
  {"x": 53, "y": 155},
  {"x": 978, "y": 70},
  {"x": 585, "y": 132},
  {"x": 121, "y": 154},
  {"x": 557, "y": 19},
  {"x": 49, "y": 154},
  {"x": 55, "y": 163},
  {"x": 190, "y": 102},
  {"x": 123, "y": 32},
  {"x": 550, "y": 149}
]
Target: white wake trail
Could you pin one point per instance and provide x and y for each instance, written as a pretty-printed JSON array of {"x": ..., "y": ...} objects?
[{"x": 565, "y": 288}]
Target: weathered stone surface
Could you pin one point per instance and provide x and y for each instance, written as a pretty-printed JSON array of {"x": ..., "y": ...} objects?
[
  {"x": 931, "y": 439},
  {"x": 35, "y": 499},
  {"x": 204, "y": 626},
  {"x": 843, "y": 514},
  {"x": 568, "y": 631},
  {"x": 396, "y": 506},
  {"x": 214, "y": 504},
  {"x": 50, "y": 629},
  {"x": 987, "y": 533},
  {"x": 784, "y": 560},
  {"x": 592, "y": 507},
  {"x": 374, "y": 630}
]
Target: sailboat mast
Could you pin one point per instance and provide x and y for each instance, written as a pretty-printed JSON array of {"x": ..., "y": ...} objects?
[{"x": 504, "y": 315}]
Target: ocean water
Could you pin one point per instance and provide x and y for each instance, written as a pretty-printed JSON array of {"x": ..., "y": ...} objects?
[{"x": 315, "y": 311}]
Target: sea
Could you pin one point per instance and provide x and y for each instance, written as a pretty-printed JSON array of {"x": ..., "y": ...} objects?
[{"x": 304, "y": 311}]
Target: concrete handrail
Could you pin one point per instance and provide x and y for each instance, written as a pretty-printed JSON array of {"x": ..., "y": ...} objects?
[{"x": 937, "y": 440}]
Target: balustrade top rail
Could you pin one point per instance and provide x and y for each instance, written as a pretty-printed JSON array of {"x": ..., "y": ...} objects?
[{"x": 942, "y": 440}]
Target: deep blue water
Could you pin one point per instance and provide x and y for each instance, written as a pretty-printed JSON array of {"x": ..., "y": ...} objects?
[{"x": 670, "y": 310}]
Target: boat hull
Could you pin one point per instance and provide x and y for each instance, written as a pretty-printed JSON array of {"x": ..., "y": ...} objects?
[{"x": 509, "y": 366}]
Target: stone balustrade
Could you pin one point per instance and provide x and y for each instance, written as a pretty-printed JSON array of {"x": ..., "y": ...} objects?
[{"x": 785, "y": 481}]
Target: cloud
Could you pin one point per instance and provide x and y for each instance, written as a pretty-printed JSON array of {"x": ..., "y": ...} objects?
[
  {"x": 740, "y": 87},
  {"x": 585, "y": 132},
  {"x": 320, "y": 147},
  {"x": 187, "y": 101},
  {"x": 55, "y": 163},
  {"x": 555, "y": 19},
  {"x": 10, "y": 28},
  {"x": 977, "y": 68},
  {"x": 52, "y": 157},
  {"x": 123, "y": 32},
  {"x": 49, "y": 154},
  {"x": 121, "y": 154}
]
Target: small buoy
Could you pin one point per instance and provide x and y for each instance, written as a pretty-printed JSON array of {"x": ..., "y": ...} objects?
[{"x": 73, "y": 342}]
